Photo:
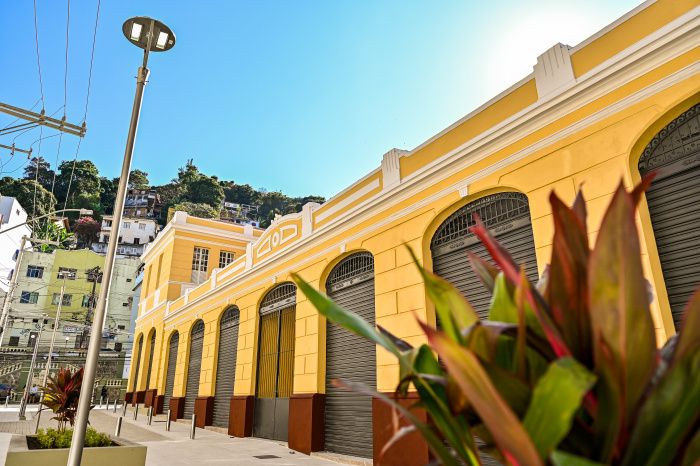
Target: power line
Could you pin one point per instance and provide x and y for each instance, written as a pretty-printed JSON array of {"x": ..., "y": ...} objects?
[
  {"x": 38, "y": 57},
  {"x": 65, "y": 103},
  {"x": 87, "y": 101}
]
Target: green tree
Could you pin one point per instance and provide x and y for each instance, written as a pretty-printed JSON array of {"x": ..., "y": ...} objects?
[
  {"x": 196, "y": 210},
  {"x": 188, "y": 173},
  {"x": 45, "y": 177},
  {"x": 138, "y": 179},
  {"x": 23, "y": 191},
  {"x": 240, "y": 193},
  {"x": 108, "y": 194},
  {"x": 204, "y": 190},
  {"x": 85, "y": 180}
]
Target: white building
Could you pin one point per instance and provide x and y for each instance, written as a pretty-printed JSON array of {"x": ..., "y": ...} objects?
[
  {"x": 11, "y": 214},
  {"x": 135, "y": 234}
]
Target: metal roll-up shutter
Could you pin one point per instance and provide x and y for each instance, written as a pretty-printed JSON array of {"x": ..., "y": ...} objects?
[
  {"x": 351, "y": 358},
  {"x": 170, "y": 375},
  {"x": 673, "y": 199},
  {"x": 194, "y": 368},
  {"x": 150, "y": 360},
  {"x": 507, "y": 215},
  {"x": 275, "y": 378},
  {"x": 138, "y": 364},
  {"x": 226, "y": 366}
]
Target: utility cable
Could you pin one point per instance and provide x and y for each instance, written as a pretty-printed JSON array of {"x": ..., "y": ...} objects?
[{"x": 87, "y": 101}]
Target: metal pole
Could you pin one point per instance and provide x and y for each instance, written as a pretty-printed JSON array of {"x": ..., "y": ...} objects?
[
  {"x": 167, "y": 422},
  {"x": 115, "y": 405},
  {"x": 7, "y": 400},
  {"x": 124, "y": 410},
  {"x": 76, "y": 447},
  {"x": 150, "y": 415},
  {"x": 55, "y": 327},
  {"x": 11, "y": 290},
  {"x": 38, "y": 416},
  {"x": 25, "y": 395},
  {"x": 136, "y": 412},
  {"x": 119, "y": 427},
  {"x": 192, "y": 427}
]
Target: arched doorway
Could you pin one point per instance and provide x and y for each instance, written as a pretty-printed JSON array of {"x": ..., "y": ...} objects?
[
  {"x": 348, "y": 415},
  {"x": 170, "y": 373},
  {"x": 139, "y": 347},
  {"x": 507, "y": 215},
  {"x": 226, "y": 366},
  {"x": 673, "y": 199},
  {"x": 275, "y": 362},
  {"x": 194, "y": 368},
  {"x": 150, "y": 359}
]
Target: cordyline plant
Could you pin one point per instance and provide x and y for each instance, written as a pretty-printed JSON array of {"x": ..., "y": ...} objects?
[
  {"x": 565, "y": 372},
  {"x": 61, "y": 396}
]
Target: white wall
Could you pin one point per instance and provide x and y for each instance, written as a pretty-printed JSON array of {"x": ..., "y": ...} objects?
[
  {"x": 12, "y": 214},
  {"x": 132, "y": 228}
]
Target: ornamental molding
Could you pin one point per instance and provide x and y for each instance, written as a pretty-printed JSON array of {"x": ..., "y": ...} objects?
[{"x": 553, "y": 70}]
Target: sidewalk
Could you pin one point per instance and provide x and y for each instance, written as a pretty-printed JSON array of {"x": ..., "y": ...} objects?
[{"x": 170, "y": 448}]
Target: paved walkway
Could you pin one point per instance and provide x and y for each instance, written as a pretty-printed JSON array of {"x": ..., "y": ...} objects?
[{"x": 172, "y": 448}]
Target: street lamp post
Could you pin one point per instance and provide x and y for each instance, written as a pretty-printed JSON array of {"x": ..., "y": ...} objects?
[
  {"x": 30, "y": 374},
  {"x": 152, "y": 36}
]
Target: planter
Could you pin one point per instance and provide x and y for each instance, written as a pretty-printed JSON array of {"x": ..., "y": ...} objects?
[{"x": 123, "y": 453}]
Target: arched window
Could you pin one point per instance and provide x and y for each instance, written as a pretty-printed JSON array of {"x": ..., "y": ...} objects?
[
  {"x": 194, "y": 368},
  {"x": 226, "y": 365},
  {"x": 673, "y": 199},
  {"x": 275, "y": 362},
  {"x": 348, "y": 414},
  {"x": 507, "y": 215}
]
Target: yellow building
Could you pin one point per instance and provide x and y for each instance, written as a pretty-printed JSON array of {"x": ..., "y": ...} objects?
[{"x": 243, "y": 350}]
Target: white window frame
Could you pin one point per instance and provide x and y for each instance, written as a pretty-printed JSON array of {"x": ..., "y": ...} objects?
[
  {"x": 200, "y": 259},
  {"x": 32, "y": 297},
  {"x": 225, "y": 258},
  {"x": 67, "y": 299},
  {"x": 35, "y": 271}
]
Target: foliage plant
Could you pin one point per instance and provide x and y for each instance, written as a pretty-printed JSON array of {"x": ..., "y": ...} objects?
[
  {"x": 565, "y": 372},
  {"x": 54, "y": 438},
  {"x": 61, "y": 396}
]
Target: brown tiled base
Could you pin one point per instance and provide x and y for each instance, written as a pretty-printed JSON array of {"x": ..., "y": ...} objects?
[
  {"x": 410, "y": 450},
  {"x": 138, "y": 397},
  {"x": 177, "y": 408},
  {"x": 128, "y": 397},
  {"x": 203, "y": 410},
  {"x": 306, "y": 422},
  {"x": 158, "y": 404},
  {"x": 149, "y": 397},
  {"x": 240, "y": 418}
]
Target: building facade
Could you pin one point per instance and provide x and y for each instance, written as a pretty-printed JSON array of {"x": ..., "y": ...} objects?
[
  {"x": 246, "y": 351},
  {"x": 142, "y": 203},
  {"x": 38, "y": 292},
  {"x": 134, "y": 235},
  {"x": 12, "y": 214}
]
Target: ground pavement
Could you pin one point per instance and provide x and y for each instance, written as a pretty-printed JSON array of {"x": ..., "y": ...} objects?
[{"x": 172, "y": 448}]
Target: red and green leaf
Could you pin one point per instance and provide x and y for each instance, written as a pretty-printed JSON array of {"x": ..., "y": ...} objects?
[
  {"x": 567, "y": 293},
  {"x": 507, "y": 431},
  {"x": 555, "y": 401},
  {"x": 623, "y": 332},
  {"x": 673, "y": 403}
]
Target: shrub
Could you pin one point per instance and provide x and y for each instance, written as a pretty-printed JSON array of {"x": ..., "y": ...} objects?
[
  {"x": 61, "y": 395},
  {"x": 565, "y": 372},
  {"x": 53, "y": 438}
]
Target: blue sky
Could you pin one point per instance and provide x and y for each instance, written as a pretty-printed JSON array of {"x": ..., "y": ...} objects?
[{"x": 302, "y": 97}]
